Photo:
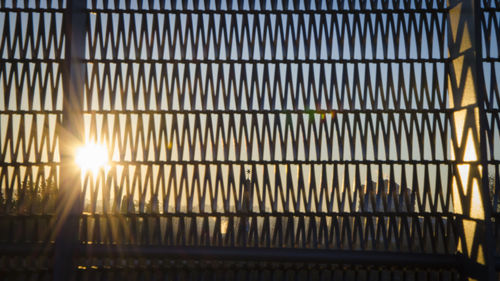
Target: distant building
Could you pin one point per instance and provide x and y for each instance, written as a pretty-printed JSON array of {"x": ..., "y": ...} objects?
[
  {"x": 386, "y": 196},
  {"x": 245, "y": 208},
  {"x": 245, "y": 205}
]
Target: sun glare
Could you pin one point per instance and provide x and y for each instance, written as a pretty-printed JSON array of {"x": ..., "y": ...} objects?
[{"x": 92, "y": 157}]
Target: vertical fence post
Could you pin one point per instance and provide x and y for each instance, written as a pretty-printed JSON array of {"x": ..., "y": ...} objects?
[
  {"x": 469, "y": 183},
  {"x": 70, "y": 132}
]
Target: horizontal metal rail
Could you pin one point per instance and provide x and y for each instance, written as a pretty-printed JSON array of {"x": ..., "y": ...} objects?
[
  {"x": 317, "y": 256},
  {"x": 275, "y": 255}
]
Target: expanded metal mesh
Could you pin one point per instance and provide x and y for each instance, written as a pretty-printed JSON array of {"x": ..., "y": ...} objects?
[
  {"x": 31, "y": 50},
  {"x": 304, "y": 125},
  {"x": 490, "y": 27},
  {"x": 332, "y": 118}
]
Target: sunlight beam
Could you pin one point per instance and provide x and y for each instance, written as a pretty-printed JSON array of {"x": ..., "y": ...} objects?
[{"x": 92, "y": 157}]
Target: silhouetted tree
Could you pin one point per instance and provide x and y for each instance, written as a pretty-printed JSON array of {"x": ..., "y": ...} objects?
[
  {"x": 31, "y": 198},
  {"x": 493, "y": 193}
]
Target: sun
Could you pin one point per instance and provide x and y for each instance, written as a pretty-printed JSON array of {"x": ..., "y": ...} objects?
[{"x": 92, "y": 157}]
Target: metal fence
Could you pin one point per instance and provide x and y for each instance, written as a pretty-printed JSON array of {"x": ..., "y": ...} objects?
[{"x": 259, "y": 140}]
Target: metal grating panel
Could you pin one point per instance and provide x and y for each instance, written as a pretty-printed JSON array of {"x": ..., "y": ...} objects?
[
  {"x": 336, "y": 117},
  {"x": 31, "y": 50},
  {"x": 321, "y": 125}
]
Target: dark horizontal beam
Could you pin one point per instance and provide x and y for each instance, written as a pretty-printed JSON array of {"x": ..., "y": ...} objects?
[
  {"x": 27, "y": 249},
  {"x": 260, "y": 61},
  {"x": 245, "y": 254},
  {"x": 274, "y": 255},
  {"x": 219, "y": 11},
  {"x": 376, "y": 11},
  {"x": 280, "y": 255},
  {"x": 260, "y": 162}
]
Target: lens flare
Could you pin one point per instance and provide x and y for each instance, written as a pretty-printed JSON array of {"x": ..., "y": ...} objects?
[{"x": 92, "y": 157}]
